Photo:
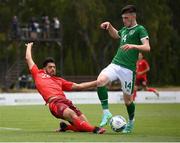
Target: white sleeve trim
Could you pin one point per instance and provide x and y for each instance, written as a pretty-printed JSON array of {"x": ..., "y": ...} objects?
[{"x": 144, "y": 38}]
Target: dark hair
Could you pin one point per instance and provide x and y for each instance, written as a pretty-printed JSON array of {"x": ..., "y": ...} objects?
[
  {"x": 128, "y": 9},
  {"x": 48, "y": 60}
]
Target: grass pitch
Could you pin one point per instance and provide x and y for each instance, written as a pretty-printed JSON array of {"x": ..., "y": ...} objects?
[{"x": 154, "y": 122}]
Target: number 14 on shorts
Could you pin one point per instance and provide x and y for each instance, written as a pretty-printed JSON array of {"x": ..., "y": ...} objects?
[{"x": 128, "y": 86}]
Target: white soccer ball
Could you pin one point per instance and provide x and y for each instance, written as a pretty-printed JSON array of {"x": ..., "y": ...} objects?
[{"x": 118, "y": 123}]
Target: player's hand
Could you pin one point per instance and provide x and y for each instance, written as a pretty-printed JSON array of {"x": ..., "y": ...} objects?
[
  {"x": 128, "y": 47},
  {"x": 105, "y": 25},
  {"x": 29, "y": 44},
  {"x": 139, "y": 73}
]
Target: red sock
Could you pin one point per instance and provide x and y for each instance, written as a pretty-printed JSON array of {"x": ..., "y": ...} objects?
[
  {"x": 72, "y": 128},
  {"x": 134, "y": 95},
  {"x": 82, "y": 125},
  {"x": 151, "y": 89}
]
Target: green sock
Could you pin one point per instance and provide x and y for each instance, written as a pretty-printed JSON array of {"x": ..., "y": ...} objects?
[
  {"x": 103, "y": 96},
  {"x": 131, "y": 110}
]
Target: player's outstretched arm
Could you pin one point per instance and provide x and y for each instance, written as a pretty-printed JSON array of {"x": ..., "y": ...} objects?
[
  {"x": 84, "y": 85},
  {"x": 112, "y": 31},
  {"x": 28, "y": 57}
]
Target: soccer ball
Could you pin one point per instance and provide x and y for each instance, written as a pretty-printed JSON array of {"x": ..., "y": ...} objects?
[{"x": 118, "y": 123}]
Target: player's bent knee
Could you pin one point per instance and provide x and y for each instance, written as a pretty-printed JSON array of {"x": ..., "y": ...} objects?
[
  {"x": 128, "y": 99},
  {"x": 128, "y": 103},
  {"x": 69, "y": 114}
]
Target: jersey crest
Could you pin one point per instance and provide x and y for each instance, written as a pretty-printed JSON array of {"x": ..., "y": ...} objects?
[{"x": 131, "y": 32}]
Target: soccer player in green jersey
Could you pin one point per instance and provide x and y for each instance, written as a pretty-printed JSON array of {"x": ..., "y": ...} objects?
[{"x": 133, "y": 38}]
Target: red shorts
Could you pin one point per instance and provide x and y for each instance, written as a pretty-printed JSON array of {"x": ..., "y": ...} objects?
[
  {"x": 141, "y": 81},
  {"x": 57, "y": 107}
]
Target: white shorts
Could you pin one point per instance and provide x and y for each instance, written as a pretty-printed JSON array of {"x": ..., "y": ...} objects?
[{"x": 124, "y": 75}]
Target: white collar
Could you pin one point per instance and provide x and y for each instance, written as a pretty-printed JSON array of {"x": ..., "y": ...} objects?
[{"x": 133, "y": 26}]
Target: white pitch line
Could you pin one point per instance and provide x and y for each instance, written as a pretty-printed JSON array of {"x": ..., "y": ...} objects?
[{"x": 12, "y": 129}]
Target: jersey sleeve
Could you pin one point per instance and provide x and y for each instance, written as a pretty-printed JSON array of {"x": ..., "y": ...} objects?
[
  {"x": 120, "y": 31},
  {"x": 143, "y": 34},
  {"x": 34, "y": 70},
  {"x": 66, "y": 85},
  {"x": 146, "y": 64}
]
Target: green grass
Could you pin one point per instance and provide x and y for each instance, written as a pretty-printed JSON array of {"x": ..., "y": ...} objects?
[{"x": 154, "y": 122}]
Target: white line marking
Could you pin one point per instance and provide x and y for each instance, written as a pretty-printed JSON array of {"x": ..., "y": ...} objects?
[{"x": 12, "y": 129}]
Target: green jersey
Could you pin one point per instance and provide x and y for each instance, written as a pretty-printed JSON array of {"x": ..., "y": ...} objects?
[{"x": 132, "y": 35}]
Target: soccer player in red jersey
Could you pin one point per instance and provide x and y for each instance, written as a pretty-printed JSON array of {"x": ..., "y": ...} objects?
[
  {"x": 51, "y": 89},
  {"x": 142, "y": 67}
]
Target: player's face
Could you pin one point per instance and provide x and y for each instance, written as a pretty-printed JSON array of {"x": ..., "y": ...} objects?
[
  {"x": 140, "y": 56},
  {"x": 128, "y": 19},
  {"x": 50, "y": 69}
]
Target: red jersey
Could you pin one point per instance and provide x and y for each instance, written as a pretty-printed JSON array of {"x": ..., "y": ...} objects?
[
  {"x": 49, "y": 86},
  {"x": 141, "y": 65}
]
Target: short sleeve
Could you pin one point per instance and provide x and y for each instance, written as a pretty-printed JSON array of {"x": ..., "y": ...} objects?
[
  {"x": 143, "y": 34},
  {"x": 34, "y": 70},
  {"x": 66, "y": 85},
  {"x": 120, "y": 31}
]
